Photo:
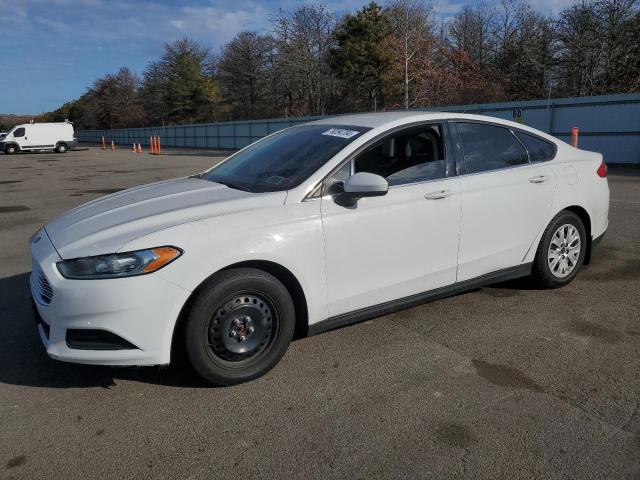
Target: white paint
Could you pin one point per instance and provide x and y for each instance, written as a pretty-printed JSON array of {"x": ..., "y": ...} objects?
[
  {"x": 344, "y": 258},
  {"x": 40, "y": 136}
]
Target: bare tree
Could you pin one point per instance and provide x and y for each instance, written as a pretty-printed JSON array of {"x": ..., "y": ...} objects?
[
  {"x": 411, "y": 25},
  {"x": 470, "y": 31},
  {"x": 244, "y": 69},
  {"x": 523, "y": 53},
  {"x": 303, "y": 39}
]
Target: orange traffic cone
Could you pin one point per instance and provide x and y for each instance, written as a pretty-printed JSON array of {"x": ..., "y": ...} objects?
[
  {"x": 113, "y": 146},
  {"x": 135, "y": 150},
  {"x": 151, "y": 150},
  {"x": 139, "y": 148},
  {"x": 104, "y": 143},
  {"x": 158, "y": 145}
]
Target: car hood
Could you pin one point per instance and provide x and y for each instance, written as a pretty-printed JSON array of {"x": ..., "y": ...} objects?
[{"x": 105, "y": 225}]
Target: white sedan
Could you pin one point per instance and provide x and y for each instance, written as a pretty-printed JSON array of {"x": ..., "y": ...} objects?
[{"x": 312, "y": 228}]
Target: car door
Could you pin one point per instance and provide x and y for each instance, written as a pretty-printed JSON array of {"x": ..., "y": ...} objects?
[
  {"x": 400, "y": 244},
  {"x": 20, "y": 137},
  {"x": 505, "y": 199}
]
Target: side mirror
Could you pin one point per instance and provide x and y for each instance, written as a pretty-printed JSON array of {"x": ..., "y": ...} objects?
[
  {"x": 365, "y": 184},
  {"x": 358, "y": 185}
]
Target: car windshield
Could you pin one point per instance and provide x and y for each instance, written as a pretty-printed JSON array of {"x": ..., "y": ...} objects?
[{"x": 285, "y": 159}]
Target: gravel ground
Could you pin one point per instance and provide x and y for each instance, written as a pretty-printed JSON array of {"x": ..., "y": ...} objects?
[{"x": 502, "y": 382}]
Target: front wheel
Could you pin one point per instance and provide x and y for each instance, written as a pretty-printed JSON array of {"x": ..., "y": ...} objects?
[
  {"x": 239, "y": 326},
  {"x": 61, "y": 148},
  {"x": 10, "y": 149},
  {"x": 561, "y": 251}
]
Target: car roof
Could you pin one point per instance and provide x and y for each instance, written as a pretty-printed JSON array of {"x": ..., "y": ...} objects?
[
  {"x": 382, "y": 120},
  {"x": 374, "y": 120}
]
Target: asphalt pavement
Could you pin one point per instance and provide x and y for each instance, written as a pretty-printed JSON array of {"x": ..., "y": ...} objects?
[{"x": 502, "y": 382}]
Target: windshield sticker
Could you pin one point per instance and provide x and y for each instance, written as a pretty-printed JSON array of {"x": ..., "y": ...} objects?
[{"x": 340, "y": 132}]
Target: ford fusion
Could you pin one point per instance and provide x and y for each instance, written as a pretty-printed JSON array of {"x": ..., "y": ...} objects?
[{"x": 312, "y": 228}]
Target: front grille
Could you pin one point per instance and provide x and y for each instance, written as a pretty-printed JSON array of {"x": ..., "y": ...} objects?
[{"x": 43, "y": 288}]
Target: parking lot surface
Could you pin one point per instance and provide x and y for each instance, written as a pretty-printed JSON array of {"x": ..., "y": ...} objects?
[{"x": 502, "y": 382}]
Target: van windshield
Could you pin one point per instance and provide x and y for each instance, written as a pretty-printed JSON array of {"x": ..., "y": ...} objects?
[{"x": 285, "y": 159}]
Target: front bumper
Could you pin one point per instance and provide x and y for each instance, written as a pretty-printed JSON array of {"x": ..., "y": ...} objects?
[{"x": 140, "y": 312}]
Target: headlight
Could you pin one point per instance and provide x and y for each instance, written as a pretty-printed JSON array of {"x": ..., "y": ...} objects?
[{"x": 117, "y": 265}]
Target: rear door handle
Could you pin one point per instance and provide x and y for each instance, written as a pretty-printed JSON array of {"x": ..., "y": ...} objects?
[
  {"x": 539, "y": 179},
  {"x": 437, "y": 195}
]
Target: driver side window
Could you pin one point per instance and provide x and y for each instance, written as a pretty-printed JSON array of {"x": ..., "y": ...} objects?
[{"x": 408, "y": 156}]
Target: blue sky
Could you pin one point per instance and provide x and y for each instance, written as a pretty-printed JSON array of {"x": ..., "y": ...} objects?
[{"x": 54, "y": 49}]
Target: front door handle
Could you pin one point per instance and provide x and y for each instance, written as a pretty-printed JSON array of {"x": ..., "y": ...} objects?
[
  {"x": 437, "y": 195},
  {"x": 539, "y": 179}
]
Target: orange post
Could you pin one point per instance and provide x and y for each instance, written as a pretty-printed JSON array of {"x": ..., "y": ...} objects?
[
  {"x": 158, "y": 145},
  {"x": 574, "y": 137},
  {"x": 151, "y": 149},
  {"x": 113, "y": 146}
]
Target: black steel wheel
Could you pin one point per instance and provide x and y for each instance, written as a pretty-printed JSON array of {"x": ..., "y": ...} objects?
[
  {"x": 242, "y": 327},
  {"x": 239, "y": 326}
]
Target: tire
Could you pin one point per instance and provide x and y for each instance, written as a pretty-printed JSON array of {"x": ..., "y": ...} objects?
[
  {"x": 62, "y": 148},
  {"x": 554, "y": 271},
  {"x": 239, "y": 326},
  {"x": 10, "y": 149}
]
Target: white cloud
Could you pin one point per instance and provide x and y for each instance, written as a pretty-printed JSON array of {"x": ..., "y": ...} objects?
[
  {"x": 221, "y": 23},
  {"x": 54, "y": 25}
]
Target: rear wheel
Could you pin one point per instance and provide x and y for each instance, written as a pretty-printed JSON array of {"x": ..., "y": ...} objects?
[
  {"x": 561, "y": 251},
  {"x": 61, "y": 148},
  {"x": 239, "y": 326},
  {"x": 10, "y": 149}
]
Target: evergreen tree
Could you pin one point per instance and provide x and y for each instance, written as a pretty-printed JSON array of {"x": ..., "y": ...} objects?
[{"x": 361, "y": 58}]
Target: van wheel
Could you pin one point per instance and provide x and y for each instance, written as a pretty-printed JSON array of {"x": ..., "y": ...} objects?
[
  {"x": 10, "y": 149},
  {"x": 561, "y": 251},
  {"x": 239, "y": 326},
  {"x": 62, "y": 148}
]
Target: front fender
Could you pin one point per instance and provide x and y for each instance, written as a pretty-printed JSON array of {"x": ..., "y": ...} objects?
[{"x": 290, "y": 236}]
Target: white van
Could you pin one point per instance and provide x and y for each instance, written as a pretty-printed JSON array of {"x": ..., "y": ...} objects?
[{"x": 32, "y": 137}]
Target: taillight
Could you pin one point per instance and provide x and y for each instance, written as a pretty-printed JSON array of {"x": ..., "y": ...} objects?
[{"x": 602, "y": 169}]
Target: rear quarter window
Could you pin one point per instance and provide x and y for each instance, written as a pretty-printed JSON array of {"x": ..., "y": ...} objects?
[{"x": 539, "y": 150}]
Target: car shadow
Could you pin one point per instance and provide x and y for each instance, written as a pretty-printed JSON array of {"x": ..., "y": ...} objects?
[
  {"x": 23, "y": 360},
  {"x": 524, "y": 283}
]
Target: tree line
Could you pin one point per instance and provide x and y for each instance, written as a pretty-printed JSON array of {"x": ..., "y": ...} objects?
[{"x": 398, "y": 55}]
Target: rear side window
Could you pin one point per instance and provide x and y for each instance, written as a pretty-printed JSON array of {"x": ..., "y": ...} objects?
[
  {"x": 19, "y": 132},
  {"x": 489, "y": 147},
  {"x": 539, "y": 150}
]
